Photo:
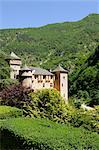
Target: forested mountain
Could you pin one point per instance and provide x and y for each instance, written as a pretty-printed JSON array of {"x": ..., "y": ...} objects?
[
  {"x": 72, "y": 44},
  {"x": 85, "y": 84}
]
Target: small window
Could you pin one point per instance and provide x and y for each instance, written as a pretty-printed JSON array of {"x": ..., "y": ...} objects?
[
  {"x": 63, "y": 77},
  {"x": 64, "y": 95},
  {"x": 44, "y": 77},
  {"x": 36, "y": 76},
  {"x": 51, "y": 84},
  {"x": 51, "y": 77},
  {"x": 43, "y": 84},
  {"x": 14, "y": 76},
  {"x": 62, "y": 84}
]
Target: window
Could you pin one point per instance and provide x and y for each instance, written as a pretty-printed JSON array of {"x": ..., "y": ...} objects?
[
  {"x": 14, "y": 76},
  {"x": 44, "y": 77},
  {"x": 62, "y": 84},
  {"x": 36, "y": 76},
  {"x": 64, "y": 95},
  {"x": 51, "y": 77},
  {"x": 63, "y": 77},
  {"x": 43, "y": 84},
  {"x": 51, "y": 84}
]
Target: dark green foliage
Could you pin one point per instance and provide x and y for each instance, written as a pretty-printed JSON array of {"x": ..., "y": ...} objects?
[
  {"x": 88, "y": 119},
  {"x": 85, "y": 84},
  {"x": 5, "y": 83},
  {"x": 4, "y": 68},
  {"x": 46, "y": 135},
  {"x": 9, "y": 112}
]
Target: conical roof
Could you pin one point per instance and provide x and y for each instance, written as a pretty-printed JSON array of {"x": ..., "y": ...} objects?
[
  {"x": 14, "y": 56},
  {"x": 60, "y": 69}
]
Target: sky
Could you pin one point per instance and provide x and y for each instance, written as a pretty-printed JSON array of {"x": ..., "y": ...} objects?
[{"x": 36, "y": 13}]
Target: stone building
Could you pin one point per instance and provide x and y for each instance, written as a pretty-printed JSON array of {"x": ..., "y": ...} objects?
[
  {"x": 15, "y": 64},
  {"x": 38, "y": 78}
]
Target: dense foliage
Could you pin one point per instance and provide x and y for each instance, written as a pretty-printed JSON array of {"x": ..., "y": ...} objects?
[
  {"x": 9, "y": 112},
  {"x": 45, "y": 135},
  {"x": 49, "y": 104},
  {"x": 85, "y": 84},
  {"x": 4, "y": 67},
  {"x": 14, "y": 95},
  {"x": 71, "y": 44}
]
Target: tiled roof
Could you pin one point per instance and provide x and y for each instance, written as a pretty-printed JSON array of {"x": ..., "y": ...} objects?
[
  {"x": 37, "y": 70},
  {"x": 60, "y": 69},
  {"x": 40, "y": 71}
]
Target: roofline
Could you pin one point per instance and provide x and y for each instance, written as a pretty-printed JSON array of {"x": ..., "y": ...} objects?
[
  {"x": 45, "y": 74},
  {"x": 12, "y": 58},
  {"x": 65, "y": 71}
]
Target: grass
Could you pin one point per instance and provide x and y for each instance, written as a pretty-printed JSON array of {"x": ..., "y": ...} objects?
[
  {"x": 9, "y": 112},
  {"x": 41, "y": 134}
]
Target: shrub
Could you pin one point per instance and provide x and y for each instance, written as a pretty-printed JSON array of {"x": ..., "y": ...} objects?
[
  {"x": 87, "y": 119},
  {"x": 7, "y": 112},
  {"x": 14, "y": 95},
  {"x": 47, "y": 103},
  {"x": 5, "y": 83},
  {"x": 46, "y": 135}
]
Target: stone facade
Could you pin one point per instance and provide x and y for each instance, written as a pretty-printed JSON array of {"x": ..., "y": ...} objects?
[
  {"x": 37, "y": 78},
  {"x": 15, "y": 64}
]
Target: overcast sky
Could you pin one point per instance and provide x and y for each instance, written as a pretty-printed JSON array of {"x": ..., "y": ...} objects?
[{"x": 35, "y": 13}]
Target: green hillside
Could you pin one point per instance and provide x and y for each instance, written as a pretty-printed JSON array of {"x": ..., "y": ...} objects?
[
  {"x": 70, "y": 43},
  {"x": 85, "y": 83}
]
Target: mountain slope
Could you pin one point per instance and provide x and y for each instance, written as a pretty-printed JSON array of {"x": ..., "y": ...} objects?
[
  {"x": 70, "y": 43},
  {"x": 52, "y": 44},
  {"x": 86, "y": 82}
]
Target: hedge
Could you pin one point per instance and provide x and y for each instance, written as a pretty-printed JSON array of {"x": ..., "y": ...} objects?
[{"x": 41, "y": 134}]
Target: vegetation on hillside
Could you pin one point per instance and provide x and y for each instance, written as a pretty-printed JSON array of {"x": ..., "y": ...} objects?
[
  {"x": 85, "y": 84},
  {"x": 72, "y": 44}
]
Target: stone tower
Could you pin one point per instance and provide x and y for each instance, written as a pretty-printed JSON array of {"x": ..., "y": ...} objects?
[
  {"x": 61, "y": 82},
  {"x": 15, "y": 64},
  {"x": 25, "y": 75}
]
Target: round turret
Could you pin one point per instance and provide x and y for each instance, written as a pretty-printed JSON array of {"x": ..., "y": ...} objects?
[{"x": 25, "y": 77}]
